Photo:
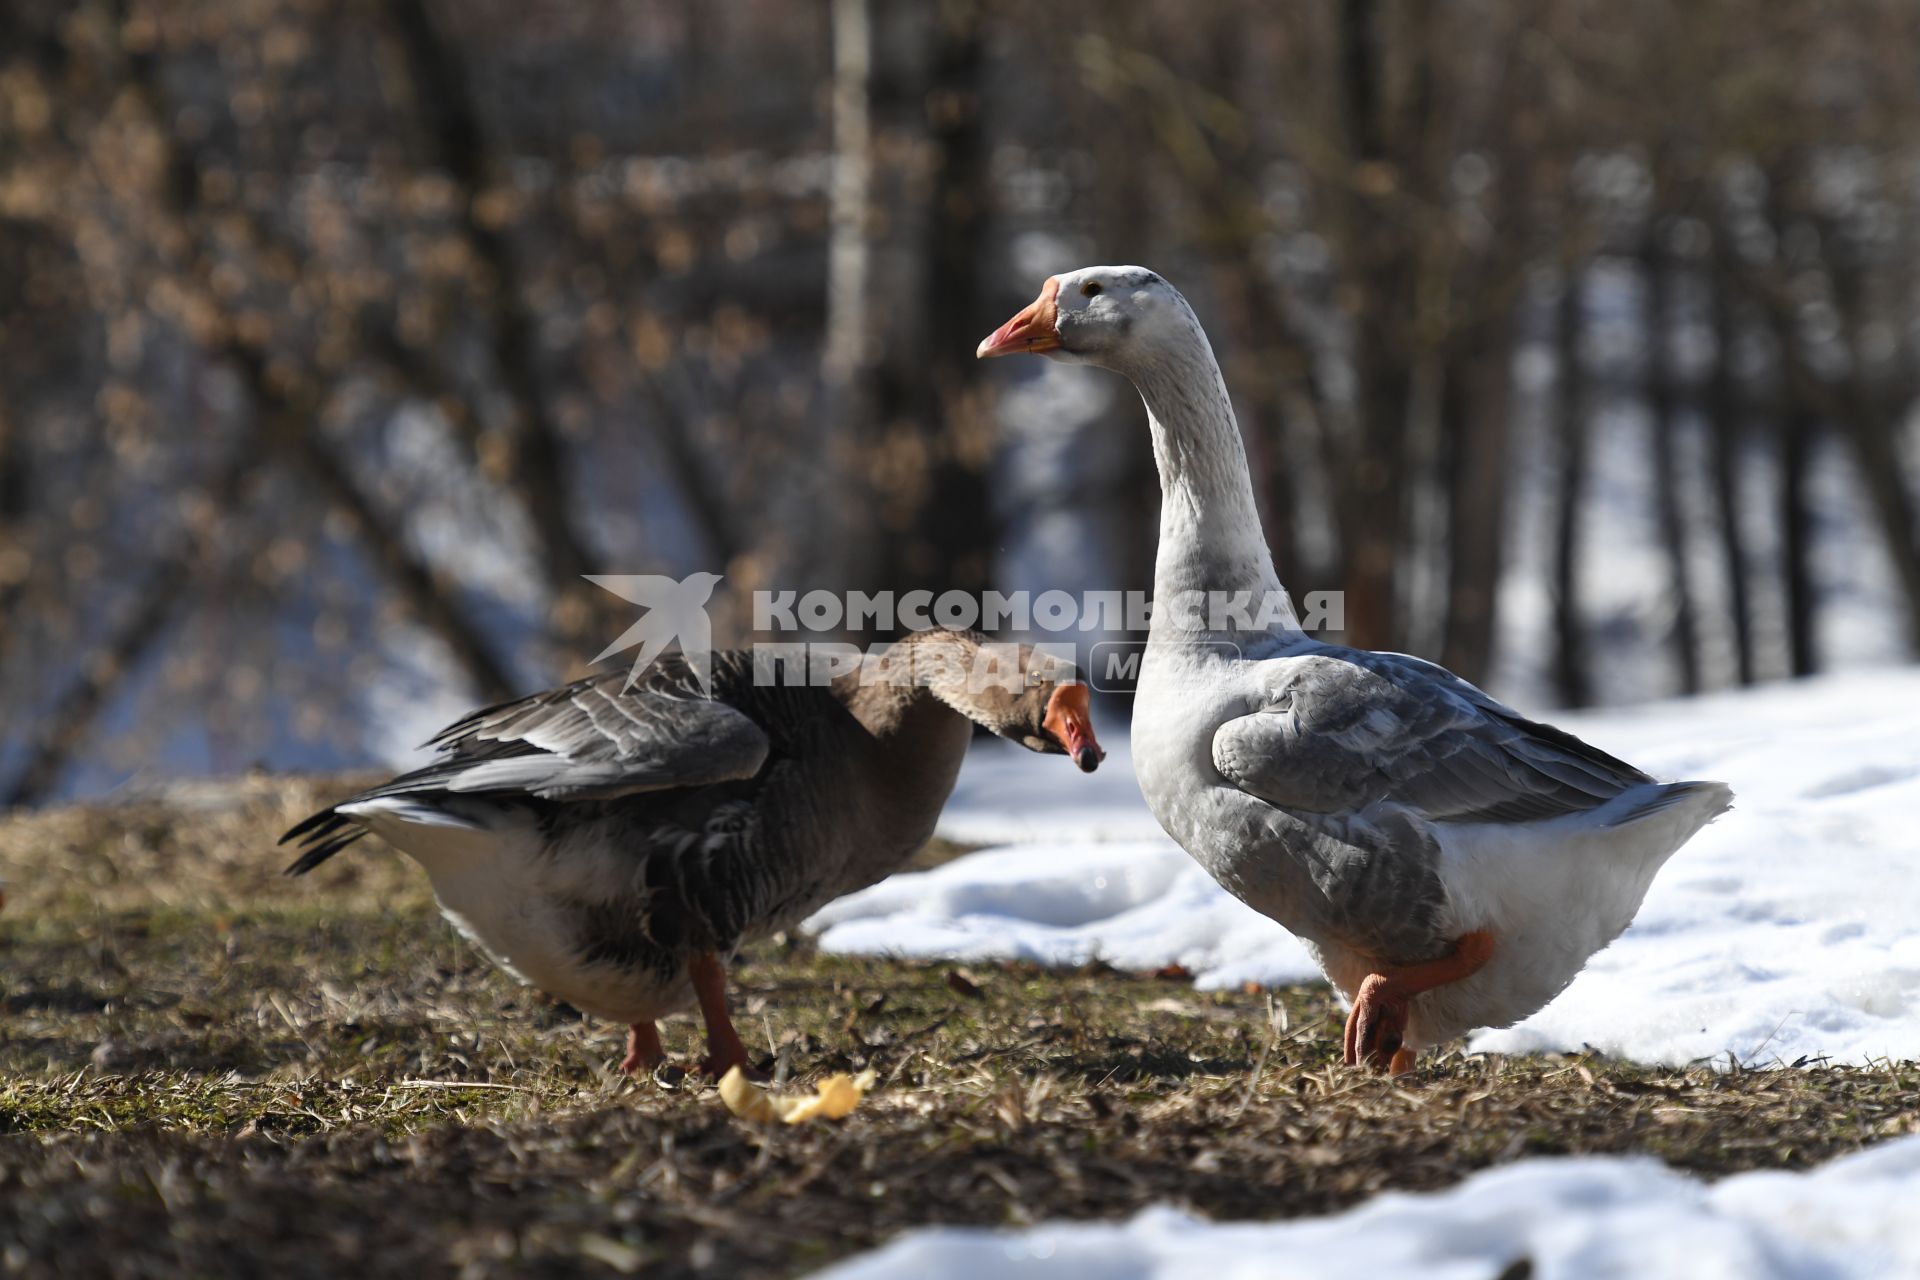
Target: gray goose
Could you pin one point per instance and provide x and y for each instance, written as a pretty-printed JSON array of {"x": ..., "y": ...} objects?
[
  {"x": 615, "y": 846},
  {"x": 1451, "y": 863}
]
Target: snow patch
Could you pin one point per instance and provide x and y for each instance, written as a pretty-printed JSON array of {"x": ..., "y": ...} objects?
[
  {"x": 1562, "y": 1219},
  {"x": 1788, "y": 929}
]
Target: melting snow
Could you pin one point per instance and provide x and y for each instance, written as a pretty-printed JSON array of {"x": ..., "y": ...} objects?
[
  {"x": 1790, "y": 928},
  {"x": 1566, "y": 1219}
]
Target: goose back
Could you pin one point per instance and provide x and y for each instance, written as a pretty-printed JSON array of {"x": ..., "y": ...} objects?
[{"x": 591, "y": 838}]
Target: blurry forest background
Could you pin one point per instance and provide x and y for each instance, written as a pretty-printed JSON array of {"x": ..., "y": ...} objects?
[{"x": 1575, "y": 341}]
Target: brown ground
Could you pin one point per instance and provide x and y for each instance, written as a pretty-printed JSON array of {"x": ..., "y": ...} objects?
[{"x": 208, "y": 1069}]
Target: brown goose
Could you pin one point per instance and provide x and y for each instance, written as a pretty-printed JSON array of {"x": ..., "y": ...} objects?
[{"x": 614, "y": 847}]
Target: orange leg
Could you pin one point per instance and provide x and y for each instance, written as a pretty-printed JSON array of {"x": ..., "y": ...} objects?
[
  {"x": 1378, "y": 1020},
  {"x": 644, "y": 1051},
  {"x": 724, "y": 1047}
]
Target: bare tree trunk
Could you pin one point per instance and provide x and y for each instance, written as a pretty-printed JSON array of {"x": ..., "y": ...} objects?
[
  {"x": 1662, "y": 406},
  {"x": 1796, "y": 428},
  {"x": 1856, "y": 404},
  {"x": 1800, "y": 392},
  {"x": 286, "y": 429},
  {"x": 425, "y": 597},
  {"x": 1124, "y": 212},
  {"x": 1724, "y": 417},
  {"x": 848, "y": 262},
  {"x": 1873, "y": 427},
  {"x": 952, "y": 540},
  {"x": 1361, "y": 77},
  {"x": 1259, "y": 355},
  {"x": 1871, "y": 433},
  {"x": 1570, "y": 656},
  {"x": 445, "y": 98},
  {"x": 1475, "y": 409},
  {"x": 459, "y": 133},
  {"x": 1477, "y": 424},
  {"x": 841, "y": 557},
  {"x": 907, "y": 213},
  {"x": 1370, "y": 499},
  {"x": 1802, "y": 399}
]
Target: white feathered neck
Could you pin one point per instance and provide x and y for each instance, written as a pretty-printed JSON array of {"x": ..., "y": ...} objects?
[{"x": 1210, "y": 534}]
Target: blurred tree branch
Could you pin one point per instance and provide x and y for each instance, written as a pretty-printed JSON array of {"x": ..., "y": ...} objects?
[
  {"x": 1724, "y": 416},
  {"x": 165, "y": 591},
  {"x": 1868, "y": 424},
  {"x": 444, "y": 97},
  {"x": 285, "y": 426},
  {"x": 1664, "y": 437},
  {"x": 1570, "y": 414}
]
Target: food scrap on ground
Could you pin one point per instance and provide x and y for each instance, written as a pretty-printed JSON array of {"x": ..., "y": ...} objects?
[{"x": 836, "y": 1098}]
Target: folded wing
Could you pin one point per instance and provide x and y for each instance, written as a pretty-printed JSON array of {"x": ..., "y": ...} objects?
[
  {"x": 593, "y": 739},
  {"x": 1346, "y": 732}
]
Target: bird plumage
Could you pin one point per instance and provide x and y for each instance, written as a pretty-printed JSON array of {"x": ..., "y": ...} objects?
[
  {"x": 1383, "y": 809},
  {"x": 595, "y": 838}
]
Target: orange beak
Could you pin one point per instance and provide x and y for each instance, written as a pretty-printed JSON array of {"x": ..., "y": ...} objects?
[
  {"x": 1033, "y": 330},
  {"x": 1070, "y": 721}
]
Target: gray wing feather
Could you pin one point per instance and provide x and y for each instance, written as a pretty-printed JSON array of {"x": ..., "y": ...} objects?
[
  {"x": 595, "y": 740},
  {"x": 1347, "y": 730}
]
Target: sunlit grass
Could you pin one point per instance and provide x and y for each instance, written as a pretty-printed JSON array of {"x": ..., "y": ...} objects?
[{"x": 198, "y": 1056}]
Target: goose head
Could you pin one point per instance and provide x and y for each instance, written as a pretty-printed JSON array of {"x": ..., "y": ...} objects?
[
  {"x": 1057, "y": 718},
  {"x": 1112, "y": 317},
  {"x": 1048, "y": 709}
]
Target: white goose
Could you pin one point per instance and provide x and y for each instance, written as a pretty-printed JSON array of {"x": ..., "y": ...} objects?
[{"x": 1451, "y": 864}]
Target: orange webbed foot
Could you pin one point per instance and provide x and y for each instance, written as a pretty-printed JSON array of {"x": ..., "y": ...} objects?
[{"x": 1377, "y": 1024}]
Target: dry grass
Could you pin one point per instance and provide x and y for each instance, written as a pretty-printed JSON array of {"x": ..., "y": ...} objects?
[{"x": 204, "y": 1068}]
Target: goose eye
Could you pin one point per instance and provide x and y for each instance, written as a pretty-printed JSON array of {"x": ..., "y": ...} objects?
[{"x": 1091, "y": 289}]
